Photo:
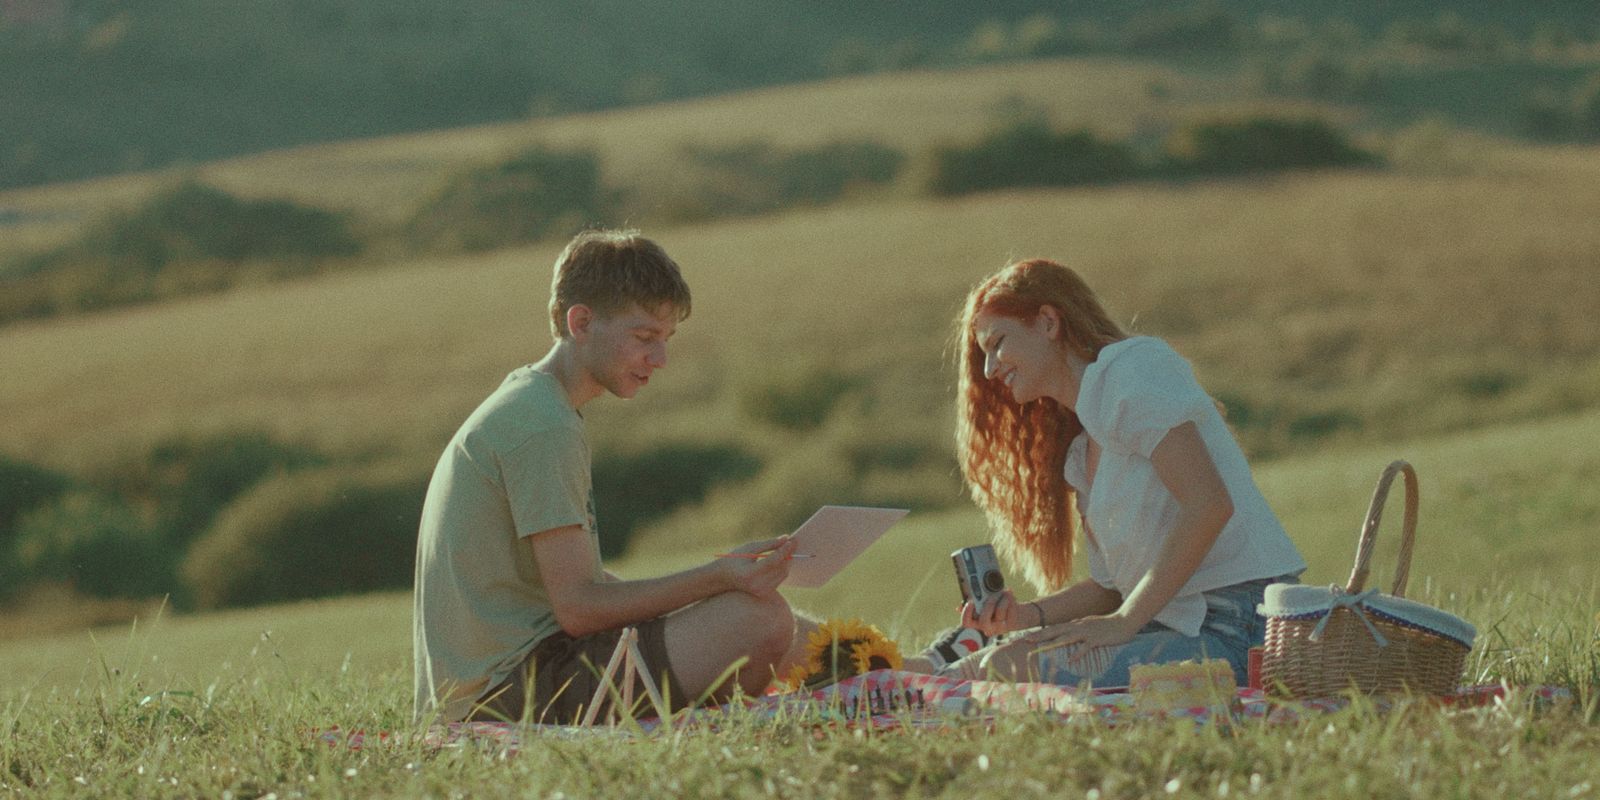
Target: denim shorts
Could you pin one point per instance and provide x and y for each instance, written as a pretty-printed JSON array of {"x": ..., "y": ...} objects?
[{"x": 1231, "y": 627}]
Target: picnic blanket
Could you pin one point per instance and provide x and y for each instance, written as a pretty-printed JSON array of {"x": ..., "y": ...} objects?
[{"x": 891, "y": 700}]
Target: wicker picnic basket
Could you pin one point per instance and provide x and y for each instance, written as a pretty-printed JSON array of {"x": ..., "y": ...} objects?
[{"x": 1325, "y": 641}]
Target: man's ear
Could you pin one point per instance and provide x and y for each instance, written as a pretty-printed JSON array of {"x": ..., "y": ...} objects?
[{"x": 579, "y": 318}]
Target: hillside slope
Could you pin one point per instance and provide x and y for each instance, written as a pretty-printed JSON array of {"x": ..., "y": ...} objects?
[
  {"x": 98, "y": 87},
  {"x": 1500, "y": 509},
  {"x": 1324, "y": 309},
  {"x": 384, "y": 180},
  {"x": 1334, "y": 301}
]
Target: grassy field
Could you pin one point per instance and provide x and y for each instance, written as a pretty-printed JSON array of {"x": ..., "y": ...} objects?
[
  {"x": 1441, "y": 313},
  {"x": 223, "y": 704},
  {"x": 1504, "y": 527}
]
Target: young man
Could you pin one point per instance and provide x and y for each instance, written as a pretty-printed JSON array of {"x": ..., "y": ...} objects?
[{"x": 513, "y": 615}]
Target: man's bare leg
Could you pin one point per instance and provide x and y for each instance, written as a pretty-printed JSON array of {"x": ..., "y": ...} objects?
[
  {"x": 707, "y": 637},
  {"x": 803, "y": 626}
]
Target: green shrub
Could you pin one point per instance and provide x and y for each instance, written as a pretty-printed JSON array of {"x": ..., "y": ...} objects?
[
  {"x": 1451, "y": 34},
  {"x": 852, "y": 460},
  {"x": 1488, "y": 382},
  {"x": 23, "y": 488},
  {"x": 1029, "y": 153},
  {"x": 635, "y": 489},
  {"x": 1547, "y": 115},
  {"x": 195, "y": 222},
  {"x": 1586, "y": 109},
  {"x": 901, "y": 464},
  {"x": 1201, "y": 27},
  {"x": 1322, "y": 424},
  {"x": 754, "y": 177},
  {"x": 309, "y": 534},
  {"x": 186, "y": 480},
  {"x": 853, "y": 55},
  {"x": 1041, "y": 35},
  {"x": 536, "y": 194},
  {"x": 1324, "y": 74},
  {"x": 1260, "y": 145},
  {"x": 1564, "y": 115},
  {"x": 798, "y": 399},
  {"x": 96, "y": 543},
  {"x": 191, "y": 238}
]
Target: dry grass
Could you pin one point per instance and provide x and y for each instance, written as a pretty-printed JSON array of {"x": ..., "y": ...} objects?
[
  {"x": 384, "y": 180},
  {"x": 1374, "y": 295}
]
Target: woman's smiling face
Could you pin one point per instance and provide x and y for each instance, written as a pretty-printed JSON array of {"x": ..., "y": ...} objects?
[{"x": 1023, "y": 355}]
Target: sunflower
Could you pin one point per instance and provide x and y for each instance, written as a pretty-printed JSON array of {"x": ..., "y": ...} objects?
[
  {"x": 796, "y": 679},
  {"x": 839, "y": 649},
  {"x": 882, "y": 654}
]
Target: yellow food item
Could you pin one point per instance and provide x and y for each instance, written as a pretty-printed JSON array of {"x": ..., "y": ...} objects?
[{"x": 1160, "y": 688}]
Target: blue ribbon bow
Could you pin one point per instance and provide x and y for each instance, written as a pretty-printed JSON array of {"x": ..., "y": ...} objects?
[{"x": 1354, "y": 602}]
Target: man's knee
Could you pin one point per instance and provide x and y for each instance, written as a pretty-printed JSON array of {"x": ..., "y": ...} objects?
[
  {"x": 763, "y": 625},
  {"x": 768, "y": 624}
]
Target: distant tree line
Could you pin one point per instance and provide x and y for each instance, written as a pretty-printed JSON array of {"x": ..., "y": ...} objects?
[
  {"x": 113, "y": 87},
  {"x": 195, "y": 238},
  {"x": 1566, "y": 116},
  {"x": 1031, "y": 153}
]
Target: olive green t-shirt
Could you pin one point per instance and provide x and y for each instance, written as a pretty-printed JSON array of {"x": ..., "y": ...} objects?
[{"x": 518, "y": 466}]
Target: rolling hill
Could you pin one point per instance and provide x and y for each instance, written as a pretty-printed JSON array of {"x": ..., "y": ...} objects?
[{"x": 1327, "y": 310}]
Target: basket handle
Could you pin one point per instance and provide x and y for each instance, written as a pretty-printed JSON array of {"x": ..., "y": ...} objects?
[{"x": 1369, "y": 530}]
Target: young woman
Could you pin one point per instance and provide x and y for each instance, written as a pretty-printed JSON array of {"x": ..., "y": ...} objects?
[{"x": 1067, "y": 423}]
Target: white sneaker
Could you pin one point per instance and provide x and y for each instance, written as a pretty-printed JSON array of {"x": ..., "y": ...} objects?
[{"x": 953, "y": 645}]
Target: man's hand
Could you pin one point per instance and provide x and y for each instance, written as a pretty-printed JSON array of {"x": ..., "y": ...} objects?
[
  {"x": 761, "y": 546},
  {"x": 760, "y": 576}
]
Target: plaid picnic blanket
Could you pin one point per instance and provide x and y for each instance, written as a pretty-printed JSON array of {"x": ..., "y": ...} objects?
[{"x": 890, "y": 700}]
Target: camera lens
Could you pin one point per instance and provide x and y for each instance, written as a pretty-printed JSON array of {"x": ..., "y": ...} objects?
[{"x": 992, "y": 581}]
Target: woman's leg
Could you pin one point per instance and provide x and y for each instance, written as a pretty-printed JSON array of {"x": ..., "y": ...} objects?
[
  {"x": 1034, "y": 660},
  {"x": 1230, "y": 629}
]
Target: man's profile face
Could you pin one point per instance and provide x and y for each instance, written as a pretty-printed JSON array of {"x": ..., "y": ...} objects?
[{"x": 622, "y": 349}]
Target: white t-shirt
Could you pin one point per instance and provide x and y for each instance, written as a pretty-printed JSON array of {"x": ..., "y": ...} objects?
[{"x": 1137, "y": 391}]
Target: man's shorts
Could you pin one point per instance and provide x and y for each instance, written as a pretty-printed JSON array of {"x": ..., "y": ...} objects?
[{"x": 557, "y": 680}]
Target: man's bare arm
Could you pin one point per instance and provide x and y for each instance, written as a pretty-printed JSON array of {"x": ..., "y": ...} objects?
[{"x": 585, "y": 603}]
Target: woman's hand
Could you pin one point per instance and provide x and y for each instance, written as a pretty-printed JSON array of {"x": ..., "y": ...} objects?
[
  {"x": 999, "y": 613},
  {"x": 1088, "y": 633}
]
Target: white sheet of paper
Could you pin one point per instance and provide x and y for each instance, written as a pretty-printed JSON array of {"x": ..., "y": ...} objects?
[{"x": 833, "y": 537}]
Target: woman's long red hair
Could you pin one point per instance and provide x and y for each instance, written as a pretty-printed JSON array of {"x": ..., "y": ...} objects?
[{"x": 1012, "y": 454}]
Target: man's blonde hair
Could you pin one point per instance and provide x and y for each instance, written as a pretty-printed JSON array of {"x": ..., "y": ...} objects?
[{"x": 611, "y": 270}]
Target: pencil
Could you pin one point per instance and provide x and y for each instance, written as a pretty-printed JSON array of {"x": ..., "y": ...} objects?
[{"x": 758, "y": 555}]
